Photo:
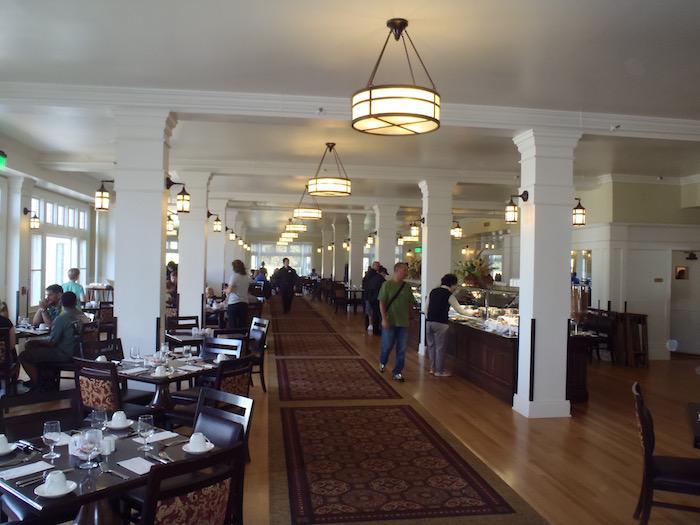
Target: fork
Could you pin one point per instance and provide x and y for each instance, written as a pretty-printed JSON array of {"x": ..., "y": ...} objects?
[{"x": 104, "y": 469}]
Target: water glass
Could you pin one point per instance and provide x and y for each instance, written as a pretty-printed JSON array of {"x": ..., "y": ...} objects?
[
  {"x": 135, "y": 353},
  {"x": 145, "y": 429},
  {"x": 90, "y": 444},
  {"x": 51, "y": 436},
  {"x": 187, "y": 352},
  {"x": 98, "y": 419}
]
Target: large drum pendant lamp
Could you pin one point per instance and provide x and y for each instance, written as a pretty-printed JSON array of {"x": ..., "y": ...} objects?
[
  {"x": 327, "y": 186},
  {"x": 397, "y": 109}
]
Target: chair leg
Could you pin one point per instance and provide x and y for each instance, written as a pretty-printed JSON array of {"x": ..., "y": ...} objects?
[
  {"x": 262, "y": 378},
  {"x": 640, "y": 501},
  {"x": 646, "y": 506}
]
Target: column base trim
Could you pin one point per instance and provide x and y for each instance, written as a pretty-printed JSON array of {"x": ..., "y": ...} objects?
[
  {"x": 541, "y": 409},
  {"x": 422, "y": 349}
]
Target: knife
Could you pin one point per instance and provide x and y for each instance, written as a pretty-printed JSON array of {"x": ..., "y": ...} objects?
[
  {"x": 29, "y": 445},
  {"x": 176, "y": 441},
  {"x": 158, "y": 459}
]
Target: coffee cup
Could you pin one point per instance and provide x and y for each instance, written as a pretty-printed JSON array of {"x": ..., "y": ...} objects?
[
  {"x": 119, "y": 418},
  {"x": 199, "y": 442},
  {"x": 220, "y": 358},
  {"x": 161, "y": 371},
  {"x": 4, "y": 444},
  {"x": 55, "y": 482},
  {"x": 43, "y": 326},
  {"x": 101, "y": 359}
]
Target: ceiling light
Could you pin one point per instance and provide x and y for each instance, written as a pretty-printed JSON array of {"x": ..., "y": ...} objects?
[
  {"x": 339, "y": 186},
  {"x": 102, "y": 198},
  {"x": 411, "y": 238},
  {"x": 33, "y": 219},
  {"x": 308, "y": 214},
  {"x": 3, "y": 160},
  {"x": 456, "y": 230},
  {"x": 289, "y": 235},
  {"x": 415, "y": 230},
  {"x": 397, "y": 109},
  {"x": 182, "y": 201},
  {"x": 512, "y": 214},
  {"x": 295, "y": 227},
  {"x": 578, "y": 214}
]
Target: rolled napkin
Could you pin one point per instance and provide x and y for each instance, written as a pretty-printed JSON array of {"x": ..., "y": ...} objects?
[{"x": 25, "y": 470}]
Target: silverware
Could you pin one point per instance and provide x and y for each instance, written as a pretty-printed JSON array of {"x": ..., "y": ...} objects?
[
  {"x": 176, "y": 441},
  {"x": 14, "y": 462},
  {"x": 104, "y": 469},
  {"x": 165, "y": 456},
  {"x": 157, "y": 458},
  {"x": 29, "y": 445},
  {"x": 36, "y": 478}
]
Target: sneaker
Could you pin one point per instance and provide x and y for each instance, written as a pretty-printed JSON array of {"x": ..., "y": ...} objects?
[
  {"x": 381, "y": 368},
  {"x": 431, "y": 371},
  {"x": 443, "y": 374},
  {"x": 398, "y": 377}
]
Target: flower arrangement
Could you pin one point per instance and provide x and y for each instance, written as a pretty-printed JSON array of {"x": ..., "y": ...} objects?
[
  {"x": 475, "y": 271},
  {"x": 414, "y": 268}
]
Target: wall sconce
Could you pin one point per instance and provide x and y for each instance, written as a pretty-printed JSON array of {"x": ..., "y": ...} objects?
[
  {"x": 330, "y": 247},
  {"x": 216, "y": 226},
  {"x": 370, "y": 238},
  {"x": 102, "y": 197},
  {"x": 512, "y": 211},
  {"x": 182, "y": 199},
  {"x": 231, "y": 234},
  {"x": 578, "y": 214},
  {"x": 33, "y": 219},
  {"x": 318, "y": 250},
  {"x": 456, "y": 230}
]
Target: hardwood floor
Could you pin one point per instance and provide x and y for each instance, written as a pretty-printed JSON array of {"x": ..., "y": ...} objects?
[{"x": 582, "y": 470}]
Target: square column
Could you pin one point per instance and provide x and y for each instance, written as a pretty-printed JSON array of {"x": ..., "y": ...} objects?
[
  {"x": 340, "y": 233},
  {"x": 385, "y": 243},
  {"x": 436, "y": 259},
  {"x": 357, "y": 236},
  {"x": 326, "y": 255},
  {"x": 18, "y": 255},
  {"x": 217, "y": 269},
  {"x": 547, "y": 165},
  {"x": 192, "y": 244},
  {"x": 142, "y": 153},
  {"x": 231, "y": 250}
]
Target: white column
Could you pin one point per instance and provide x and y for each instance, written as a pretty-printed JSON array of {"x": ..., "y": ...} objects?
[
  {"x": 18, "y": 255},
  {"x": 340, "y": 255},
  {"x": 326, "y": 255},
  {"x": 231, "y": 248},
  {"x": 217, "y": 268},
  {"x": 142, "y": 153},
  {"x": 547, "y": 163},
  {"x": 436, "y": 258},
  {"x": 192, "y": 243},
  {"x": 385, "y": 220},
  {"x": 357, "y": 236}
]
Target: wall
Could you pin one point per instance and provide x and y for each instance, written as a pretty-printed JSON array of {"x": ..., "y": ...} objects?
[
  {"x": 651, "y": 204},
  {"x": 685, "y": 305}
]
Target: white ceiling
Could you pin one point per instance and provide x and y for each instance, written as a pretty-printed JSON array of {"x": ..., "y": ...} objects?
[{"x": 626, "y": 56}]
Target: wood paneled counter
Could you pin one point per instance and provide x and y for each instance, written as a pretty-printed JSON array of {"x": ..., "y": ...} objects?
[{"x": 490, "y": 361}]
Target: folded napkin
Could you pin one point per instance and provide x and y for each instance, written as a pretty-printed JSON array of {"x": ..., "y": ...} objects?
[
  {"x": 25, "y": 470},
  {"x": 133, "y": 371},
  {"x": 131, "y": 360},
  {"x": 190, "y": 368},
  {"x": 136, "y": 465},
  {"x": 158, "y": 436}
]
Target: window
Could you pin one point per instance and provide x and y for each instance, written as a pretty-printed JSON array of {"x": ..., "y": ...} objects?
[
  {"x": 50, "y": 217},
  {"x": 299, "y": 256},
  {"x": 82, "y": 220},
  {"x": 58, "y": 259},
  {"x": 36, "y": 288},
  {"x": 60, "y": 215},
  {"x": 71, "y": 217},
  {"x": 36, "y": 207},
  {"x": 82, "y": 261}
]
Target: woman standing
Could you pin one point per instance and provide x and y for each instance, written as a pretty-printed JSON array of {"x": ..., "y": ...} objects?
[{"x": 237, "y": 290}]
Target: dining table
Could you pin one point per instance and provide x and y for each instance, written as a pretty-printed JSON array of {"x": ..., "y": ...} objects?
[
  {"x": 96, "y": 490},
  {"x": 184, "y": 337},
  {"x": 354, "y": 296},
  {"x": 28, "y": 332}
]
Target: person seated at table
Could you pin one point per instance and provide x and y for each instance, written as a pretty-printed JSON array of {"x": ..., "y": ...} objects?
[
  {"x": 7, "y": 329},
  {"x": 61, "y": 343},
  {"x": 50, "y": 306},
  {"x": 314, "y": 274},
  {"x": 73, "y": 285},
  {"x": 212, "y": 305}
]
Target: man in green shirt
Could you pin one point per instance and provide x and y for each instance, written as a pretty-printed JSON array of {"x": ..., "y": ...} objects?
[
  {"x": 61, "y": 344},
  {"x": 395, "y": 303}
]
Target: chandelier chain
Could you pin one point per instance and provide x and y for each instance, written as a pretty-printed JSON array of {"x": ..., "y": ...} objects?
[
  {"x": 408, "y": 59},
  {"x": 370, "y": 82},
  {"x": 410, "y": 40}
]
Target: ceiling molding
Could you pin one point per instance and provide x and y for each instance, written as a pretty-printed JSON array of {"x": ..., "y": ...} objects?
[
  {"x": 630, "y": 178},
  {"x": 189, "y": 103}
]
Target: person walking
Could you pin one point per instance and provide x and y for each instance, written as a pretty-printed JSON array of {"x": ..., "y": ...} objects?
[
  {"x": 395, "y": 303},
  {"x": 286, "y": 280},
  {"x": 436, "y": 326},
  {"x": 371, "y": 284},
  {"x": 237, "y": 302}
]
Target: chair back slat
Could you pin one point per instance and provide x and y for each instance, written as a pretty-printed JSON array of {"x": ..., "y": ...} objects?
[
  {"x": 182, "y": 322},
  {"x": 259, "y": 324},
  {"x": 217, "y": 345},
  {"x": 224, "y": 405},
  {"x": 111, "y": 349}
]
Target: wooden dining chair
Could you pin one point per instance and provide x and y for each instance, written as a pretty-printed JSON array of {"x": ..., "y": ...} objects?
[
  {"x": 257, "y": 347},
  {"x": 212, "y": 346},
  {"x": 182, "y": 322},
  {"x": 9, "y": 367},
  {"x": 204, "y": 489},
  {"x": 665, "y": 473}
]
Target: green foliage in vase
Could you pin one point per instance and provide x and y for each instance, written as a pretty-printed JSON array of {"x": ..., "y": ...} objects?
[
  {"x": 476, "y": 269},
  {"x": 414, "y": 268}
]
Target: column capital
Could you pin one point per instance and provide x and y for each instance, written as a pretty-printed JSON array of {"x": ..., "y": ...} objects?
[
  {"x": 385, "y": 210},
  {"x": 356, "y": 218},
  {"x": 436, "y": 188},
  {"x": 144, "y": 123},
  {"x": 547, "y": 142},
  {"x": 17, "y": 183}
]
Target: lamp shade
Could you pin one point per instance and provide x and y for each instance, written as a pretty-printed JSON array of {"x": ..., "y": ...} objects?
[
  {"x": 396, "y": 110},
  {"x": 289, "y": 235},
  {"x": 34, "y": 222},
  {"x": 329, "y": 187},
  {"x": 102, "y": 198},
  {"x": 216, "y": 225},
  {"x": 415, "y": 230},
  {"x": 512, "y": 213},
  {"x": 578, "y": 215},
  {"x": 308, "y": 214},
  {"x": 296, "y": 227},
  {"x": 182, "y": 201},
  {"x": 410, "y": 238}
]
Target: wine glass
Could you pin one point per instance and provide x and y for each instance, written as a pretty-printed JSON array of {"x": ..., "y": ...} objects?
[
  {"x": 187, "y": 353},
  {"x": 145, "y": 429},
  {"x": 98, "y": 419},
  {"x": 51, "y": 436},
  {"x": 90, "y": 442},
  {"x": 135, "y": 353}
]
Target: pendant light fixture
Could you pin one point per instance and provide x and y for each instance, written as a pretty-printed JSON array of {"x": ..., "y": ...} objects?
[
  {"x": 397, "y": 109},
  {"x": 512, "y": 214},
  {"x": 289, "y": 235},
  {"x": 3, "y": 160},
  {"x": 34, "y": 222},
  {"x": 410, "y": 238},
  {"x": 415, "y": 229},
  {"x": 102, "y": 197},
  {"x": 456, "y": 230},
  {"x": 296, "y": 227},
  {"x": 339, "y": 186},
  {"x": 578, "y": 214},
  {"x": 182, "y": 199},
  {"x": 307, "y": 213}
]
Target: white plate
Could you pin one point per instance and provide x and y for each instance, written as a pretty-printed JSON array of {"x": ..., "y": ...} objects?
[
  {"x": 186, "y": 448},
  {"x": 113, "y": 426},
  {"x": 159, "y": 376},
  {"x": 12, "y": 447},
  {"x": 70, "y": 487}
]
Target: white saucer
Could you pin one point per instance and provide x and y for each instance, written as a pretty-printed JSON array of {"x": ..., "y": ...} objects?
[
  {"x": 70, "y": 487},
  {"x": 186, "y": 448},
  {"x": 159, "y": 376},
  {"x": 113, "y": 426},
  {"x": 12, "y": 447}
]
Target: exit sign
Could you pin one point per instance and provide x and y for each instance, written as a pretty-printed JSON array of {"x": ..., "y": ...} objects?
[{"x": 418, "y": 249}]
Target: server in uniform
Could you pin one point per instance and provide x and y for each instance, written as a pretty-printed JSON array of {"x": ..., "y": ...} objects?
[
  {"x": 286, "y": 280},
  {"x": 439, "y": 302}
]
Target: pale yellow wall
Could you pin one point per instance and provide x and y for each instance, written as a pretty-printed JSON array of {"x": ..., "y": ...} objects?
[
  {"x": 598, "y": 203},
  {"x": 651, "y": 204},
  {"x": 690, "y": 196}
]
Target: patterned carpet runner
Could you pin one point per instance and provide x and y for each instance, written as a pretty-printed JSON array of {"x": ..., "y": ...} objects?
[
  {"x": 301, "y": 325},
  {"x": 312, "y": 345},
  {"x": 330, "y": 379}
]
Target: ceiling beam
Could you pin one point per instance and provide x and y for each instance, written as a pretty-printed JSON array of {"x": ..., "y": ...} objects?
[{"x": 190, "y": 104}]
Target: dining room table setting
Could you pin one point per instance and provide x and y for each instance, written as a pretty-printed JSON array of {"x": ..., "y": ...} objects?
[{"x": 84, "y": 468}]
